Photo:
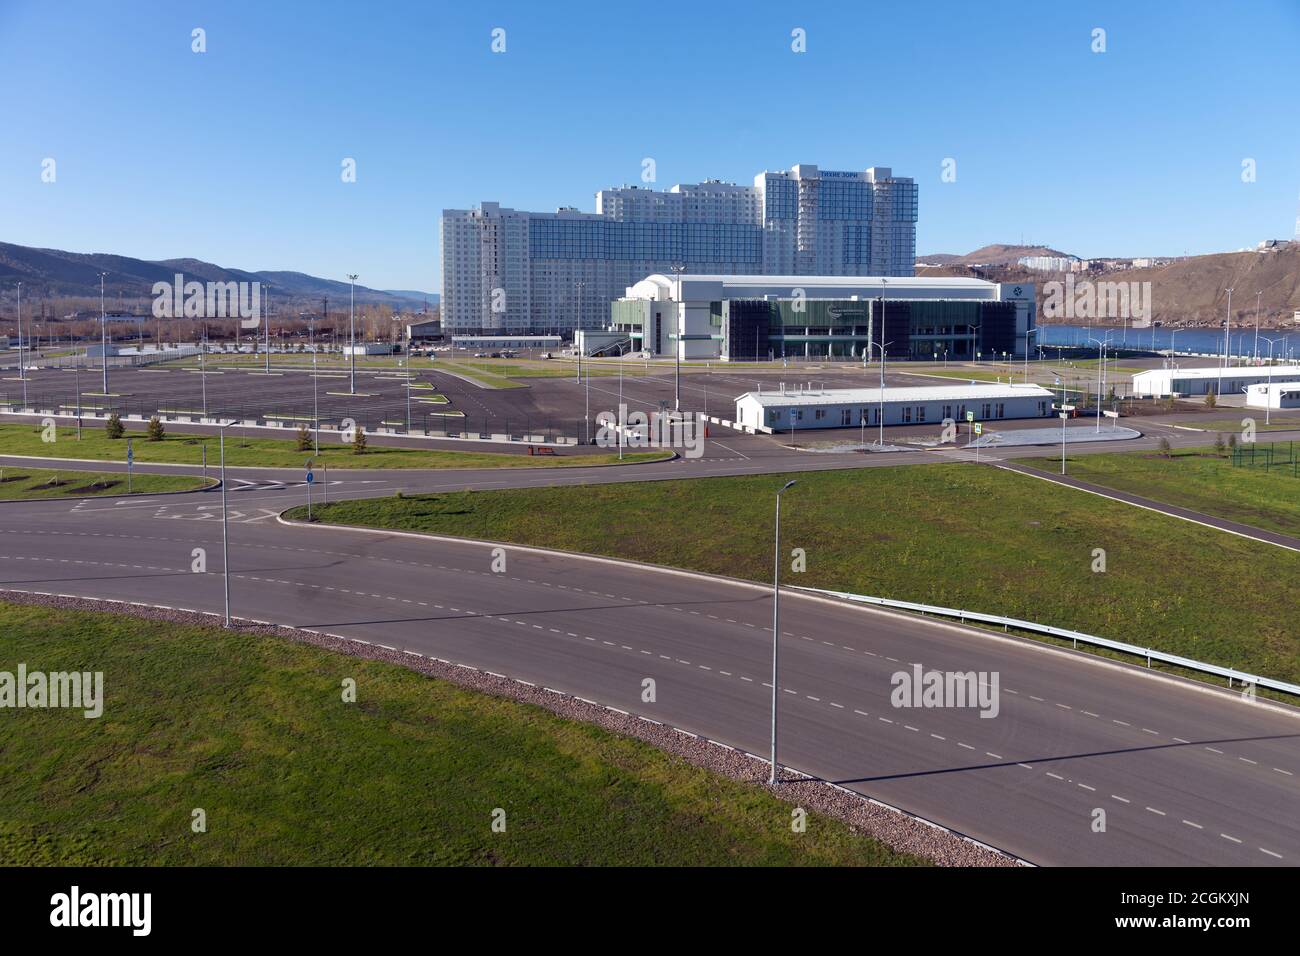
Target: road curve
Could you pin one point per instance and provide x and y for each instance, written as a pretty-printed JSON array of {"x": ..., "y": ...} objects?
[{"x": 1183, "y": 774}]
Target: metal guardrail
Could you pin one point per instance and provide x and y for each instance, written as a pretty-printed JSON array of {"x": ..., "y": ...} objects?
[{"x": 1076, "y": 636}]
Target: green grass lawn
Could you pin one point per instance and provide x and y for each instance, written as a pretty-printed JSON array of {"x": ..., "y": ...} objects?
[
  {"x": 18, "y": 482},
  {"x": 254, "y": 731},
  {"x": 1230, "y": 426},
  {"x": 954, "y": 535},
  {"x": 275, "y": 453},
  {"x": 1195, "y": 478}
]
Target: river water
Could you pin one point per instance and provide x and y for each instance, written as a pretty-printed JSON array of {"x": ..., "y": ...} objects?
[{"x": 1286, "y": 344}]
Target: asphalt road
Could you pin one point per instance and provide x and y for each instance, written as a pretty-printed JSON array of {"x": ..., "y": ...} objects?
[{"x": 1184, "y": 775}]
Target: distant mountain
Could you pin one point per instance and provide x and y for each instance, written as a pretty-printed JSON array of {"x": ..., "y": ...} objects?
[
  {"x": 52, "y": 273},
  {"x": 414, "y": 294}
]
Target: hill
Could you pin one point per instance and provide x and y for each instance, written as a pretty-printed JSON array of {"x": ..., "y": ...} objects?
[
  {"x": 54, "y": 273},
  {"x": 997, "y": 254},
  {"x": 1188, "y": 292}
]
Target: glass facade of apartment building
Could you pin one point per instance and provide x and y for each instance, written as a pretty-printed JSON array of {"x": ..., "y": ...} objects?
[{"x": 506, "y": 270}]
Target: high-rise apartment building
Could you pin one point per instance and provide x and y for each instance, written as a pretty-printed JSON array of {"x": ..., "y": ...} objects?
[{"x": 510, "y": 271}]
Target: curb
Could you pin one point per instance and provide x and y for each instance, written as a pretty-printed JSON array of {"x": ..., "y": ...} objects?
[{"x": 216, "y": 484}]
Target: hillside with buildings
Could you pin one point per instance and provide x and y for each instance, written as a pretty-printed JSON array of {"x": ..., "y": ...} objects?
[{"x": 1186, "y": 292}]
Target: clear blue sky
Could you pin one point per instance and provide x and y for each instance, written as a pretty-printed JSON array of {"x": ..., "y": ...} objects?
[{"x": 234, "y": 155}]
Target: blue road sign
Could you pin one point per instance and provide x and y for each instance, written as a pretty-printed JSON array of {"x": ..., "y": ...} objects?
[
  {"x": 130, "y": 452},
  {"x": 310, "y": 477}
]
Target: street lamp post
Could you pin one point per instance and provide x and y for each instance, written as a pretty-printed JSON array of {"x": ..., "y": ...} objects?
[
  {"x": 315, "y": 386},
  {"x": 576, "y": 329},
  {"x": 1101, "y": 366},
  {"x": 22, "y": 366},
  {"x": 1257, "y": 297},
  {"x": 103, "y": 333},
  {"x": 680, "y": 321},
  {"x": 776, "y": 619},
  {"x": 352, "y": 330},
  {"x": 882, "y": 346},
  {"x": 1028, "y": 332},
  {"x": 203, "y": 374},
  {"x": 225, "y": 523},
  {"x": 1268, "y": 394},
  {"x": 1064, "y": 416},
  {"x": 1227, "y": 341}
]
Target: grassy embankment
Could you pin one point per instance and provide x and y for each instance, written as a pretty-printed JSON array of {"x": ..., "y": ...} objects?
[
  {"x": 1195, "y": 478},
  {"x": 254, "y": 731},
  {"x": 952, "y": 535}
]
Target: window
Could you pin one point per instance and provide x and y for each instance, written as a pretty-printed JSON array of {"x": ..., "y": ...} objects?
[
  {"x": 947, "y": 411},
  {"x": 846, "y": 416},
  {"x": 1001, "y": 410},
  {"x": 920, "y": 413},
  {"x": 907, "y": 413},
  {"x": 986, "y": 412},
  {"x": 820, "y": 414}
]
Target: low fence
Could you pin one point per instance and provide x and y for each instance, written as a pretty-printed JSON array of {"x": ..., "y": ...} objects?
[
  {"x": 1063, "y": 633},
  {"x": 1277, "y": 457}
]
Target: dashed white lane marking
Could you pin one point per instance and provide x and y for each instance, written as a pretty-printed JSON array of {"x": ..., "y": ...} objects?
[
  {"x": 1191, "y": 824},
  {"x": 1154, "y": 810}
]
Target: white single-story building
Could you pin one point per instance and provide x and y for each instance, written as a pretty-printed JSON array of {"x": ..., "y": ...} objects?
[
  {"x": 1274, "y": 395},
  {"x": 1157, "y": 382},
  {"x": 807, "y": 407},
  {"x": 370, "y": 348}
]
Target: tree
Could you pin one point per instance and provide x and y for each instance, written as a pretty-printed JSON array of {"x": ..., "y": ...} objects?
[
  {"x": 1220, "y": 445},
  {"x": 113, "y": 428},
  {"x": 1165, "y": 450},
  {"x": 155, "y": 431},
  {"x": 304, "y": 438},
  {"x": 1211, "y": 399},
  {"x": 359, "y": 441}
]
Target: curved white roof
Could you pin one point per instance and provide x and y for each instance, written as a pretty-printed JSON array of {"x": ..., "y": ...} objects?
[{"x": 659, "y": 286}]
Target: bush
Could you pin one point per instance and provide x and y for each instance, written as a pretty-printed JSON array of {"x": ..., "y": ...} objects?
[
  {"x": 1211, "y": 399},
  {"x": 155, "y": 431},
  {"x": 359, "y": 441},
  {"x": 1220, "y": 445},
  {"x": 304, "y": 438},
  {"x": 1165, "y": 450},
  {"x": 113, "y": 428}
]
